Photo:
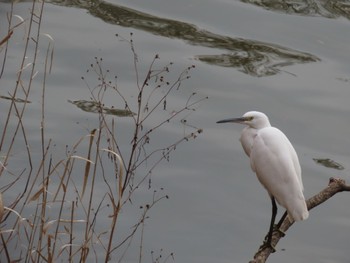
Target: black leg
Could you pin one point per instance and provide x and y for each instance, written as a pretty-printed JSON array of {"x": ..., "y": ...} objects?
[
  {"x": 278, "y": 226},
  {"x": 273, "y": 217},
  {"x": 282, "y": 219},
  {"x": 268, "y": 238}
]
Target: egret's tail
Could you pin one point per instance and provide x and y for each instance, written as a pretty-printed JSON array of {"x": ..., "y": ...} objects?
[{"x": 300, "y": 212}]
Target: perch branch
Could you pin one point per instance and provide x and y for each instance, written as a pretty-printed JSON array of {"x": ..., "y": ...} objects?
[{"x": 335, "y": 185}]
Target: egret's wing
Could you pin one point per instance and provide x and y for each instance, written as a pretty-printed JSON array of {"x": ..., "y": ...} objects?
[
  {"x": 247, "y": 138},
  {"x": 276, "y": 164},
  {"x": 296, "y": 163}
]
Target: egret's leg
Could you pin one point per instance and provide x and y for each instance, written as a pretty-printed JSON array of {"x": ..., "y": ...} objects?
[
  {"x": 268, "y": 238},
  {"x": 280, "y": 223},
  {"x": 281, "y": 220},
  {"x": 273, "y": 217}
]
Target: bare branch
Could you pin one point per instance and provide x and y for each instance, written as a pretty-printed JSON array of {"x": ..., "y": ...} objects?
[{"x": 335, "y": 185}]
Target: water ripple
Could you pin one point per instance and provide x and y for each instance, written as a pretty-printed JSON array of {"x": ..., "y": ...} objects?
[
  {"x": 249, "y": 56},
  {"x": 324, "y": 8}
]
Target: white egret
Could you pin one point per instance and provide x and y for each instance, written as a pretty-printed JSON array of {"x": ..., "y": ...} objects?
[{"x": 276, "y": 164}]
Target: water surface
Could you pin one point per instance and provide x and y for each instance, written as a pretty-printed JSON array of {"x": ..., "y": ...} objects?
[{"x": 290, "y": 61}]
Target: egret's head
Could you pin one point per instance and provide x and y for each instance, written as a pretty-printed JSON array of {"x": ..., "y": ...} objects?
[{"x": 253, "y": 119}]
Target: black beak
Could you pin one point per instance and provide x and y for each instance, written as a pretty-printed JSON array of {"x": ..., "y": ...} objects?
[{"x": 233, "y": 120}]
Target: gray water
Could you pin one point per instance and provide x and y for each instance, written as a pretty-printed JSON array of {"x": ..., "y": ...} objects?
[{"x": 290, "y": 61}]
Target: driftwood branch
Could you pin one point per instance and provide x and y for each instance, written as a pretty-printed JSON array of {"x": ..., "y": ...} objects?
[{"x": 335, "y": 185}]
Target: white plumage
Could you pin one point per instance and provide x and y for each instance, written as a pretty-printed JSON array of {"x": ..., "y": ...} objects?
[{"x": 275, "y": 162}]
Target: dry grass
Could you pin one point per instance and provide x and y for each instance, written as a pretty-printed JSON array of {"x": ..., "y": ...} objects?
[{"x": 60, "y": 212}]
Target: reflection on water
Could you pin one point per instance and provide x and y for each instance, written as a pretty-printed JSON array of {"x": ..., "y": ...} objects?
[
  {"x": 256, "y": 58},
  {"x": 325, "y": 8},
  {"x": 97, "y": 107},
  {"x": 329, "y": 163},
  {"x": 249, "y": 56}
]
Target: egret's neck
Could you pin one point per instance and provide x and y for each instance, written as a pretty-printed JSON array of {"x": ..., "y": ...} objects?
[{"x": 260, "y": 124}]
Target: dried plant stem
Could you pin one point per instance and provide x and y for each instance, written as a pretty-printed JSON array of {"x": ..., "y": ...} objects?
[{"x": 55, "y": 190}]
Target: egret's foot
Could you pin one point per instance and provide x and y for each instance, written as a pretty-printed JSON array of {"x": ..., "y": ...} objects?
[
  {"x": 275, "y": 228},
  {"x": 267, "y": 244},
  {"x": 279, "y": 231}
]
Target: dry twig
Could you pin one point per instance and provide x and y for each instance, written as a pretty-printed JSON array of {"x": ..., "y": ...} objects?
[{"x": 335, "y": 186}]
